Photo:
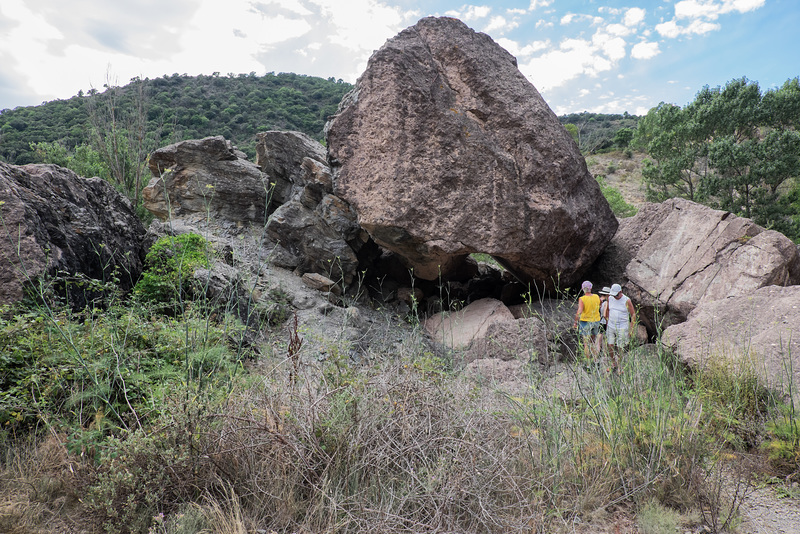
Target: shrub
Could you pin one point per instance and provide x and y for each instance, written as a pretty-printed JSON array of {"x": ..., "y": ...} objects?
[
  {"x": 782, "y": 442},
  {"x": 615, "y": 199},
  {"x": 169, "y": 266},
  {"x": 103, "y": 371}
]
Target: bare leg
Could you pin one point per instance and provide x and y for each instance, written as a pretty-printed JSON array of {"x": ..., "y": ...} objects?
[{"x": 612, "y": 352}]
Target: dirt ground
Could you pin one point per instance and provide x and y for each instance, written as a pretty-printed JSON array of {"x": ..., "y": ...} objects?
[{"x": 621, "y": 172}]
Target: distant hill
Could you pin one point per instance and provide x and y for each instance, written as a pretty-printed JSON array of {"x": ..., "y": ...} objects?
[
  {"x": 596, "y": 131},
  {"x": 183, "y": 107},
  {"x": 237, "y": 107}
]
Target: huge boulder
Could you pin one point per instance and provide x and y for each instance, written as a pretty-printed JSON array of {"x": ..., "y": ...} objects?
[
  {"x": 675, "y": 255},
  {"x": 59, "y": 226},
  {"x": 758, "y": 331},
  {"x": 206, "y": 177},
  {"x": 444, "y": 149}
]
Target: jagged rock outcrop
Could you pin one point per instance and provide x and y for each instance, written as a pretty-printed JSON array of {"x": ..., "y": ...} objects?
[
  {"x": 312, "y": 223},
  {"x": 58, "y": 225},
  {"x": 444, "y": 148},
  {"x": 206, "y": 177},
  {"x": 293, "y": 161},
  {"x": 675, "y": 255},
  {"x": 758, "y": 331},
  {"x": 209, "y": 179}
]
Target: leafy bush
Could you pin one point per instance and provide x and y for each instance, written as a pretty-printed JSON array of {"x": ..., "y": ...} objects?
[
  {"x": 615, "y": 199},
  {"x": 736, "y": 401},
  {"x": 106, "y": 372},
  {"x": 167, "y": 279},
  {"x": 782, "y": 442}
]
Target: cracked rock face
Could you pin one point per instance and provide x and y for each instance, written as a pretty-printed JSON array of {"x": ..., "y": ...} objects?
[
  {"x": 444, "y": 148},
  {"x": 58, "y": 225},
  {"x": 687, "y": 254},
  {"x": 206, "y": 176},
  {"x": 763, "y": 324}
]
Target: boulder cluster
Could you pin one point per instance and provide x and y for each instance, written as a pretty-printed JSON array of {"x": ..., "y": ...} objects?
[{"x": 442, "y": 150}]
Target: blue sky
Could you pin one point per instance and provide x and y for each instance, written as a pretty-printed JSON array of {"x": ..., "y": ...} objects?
[{"x": 604, "y": 56}]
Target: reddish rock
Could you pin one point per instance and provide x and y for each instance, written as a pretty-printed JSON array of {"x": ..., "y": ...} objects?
[
  {"x": 678, "y": 254},
  {"x": 757, "y": 331},
  {"x": 444, "y": 148},
  {"x": 456, "y": 330}
]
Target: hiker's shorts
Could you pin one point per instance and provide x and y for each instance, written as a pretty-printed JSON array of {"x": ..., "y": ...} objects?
[
  {"x": 589, "y": 328},
  {"x": 617, "y": 336}
]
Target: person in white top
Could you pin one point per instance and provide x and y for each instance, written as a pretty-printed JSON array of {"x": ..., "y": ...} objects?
[
  {"x": 603, "y": 322},
  {"x": 621, "y": 318}
]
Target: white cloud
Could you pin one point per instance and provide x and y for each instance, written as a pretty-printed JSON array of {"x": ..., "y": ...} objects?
[
  {"x": 743, "y": 6},
  {"x": 691, "y": 9},
  {"x": 634, "y": 16},
  {"x": 571, "y": 18},
  {"x": 543, "y": 24},
  {"x": 469, "y": 13},
  {"x": 671, "y": 29},
  {"x": 536, "y": 4},
  {"x": 710, "y": 9},
  {"x": 573, "y": 58},
  {"x": 361, "y": 25},
  {"x": 700, "y": 13},
  {"x": 609, "y": 10},
  {"x": 518, "y": 51},
  {"x": 699, "y": 27},
  {"x": 500, "y": 25},
  {"x": 645, "y": 50},
  {"x": 48, "y": 52},
  {"x": 619, "y": 30},
  {"x": 584, "y": 57},
  {"x": 612, "y": 47}
]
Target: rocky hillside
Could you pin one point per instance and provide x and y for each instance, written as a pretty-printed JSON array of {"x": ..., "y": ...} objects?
[{"x": 288, "y": 361}]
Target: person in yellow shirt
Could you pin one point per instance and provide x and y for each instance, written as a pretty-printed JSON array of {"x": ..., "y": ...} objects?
[{"x": 587, "y": 320}]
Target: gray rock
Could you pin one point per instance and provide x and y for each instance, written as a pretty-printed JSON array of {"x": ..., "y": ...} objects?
[
  {"x": 58, "y": 224},
  {"x": 443, "y": 148},
  {"x": 523, "y": 340},
  {"x": 320, "y": 248},
  {"x": 316, "y": 227},
  {"x": 281, "y": 155},
  {"x": 206, "y": 176}
]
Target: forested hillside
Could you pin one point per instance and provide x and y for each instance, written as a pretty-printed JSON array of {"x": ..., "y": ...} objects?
[
  {"x": 598, "y": 131},
  {"x": 235, "y": 106},
  {"x": 173, "y": 108}
]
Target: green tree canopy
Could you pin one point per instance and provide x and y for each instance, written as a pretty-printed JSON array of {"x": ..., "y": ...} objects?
[{"x": 733, "y": 147}]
